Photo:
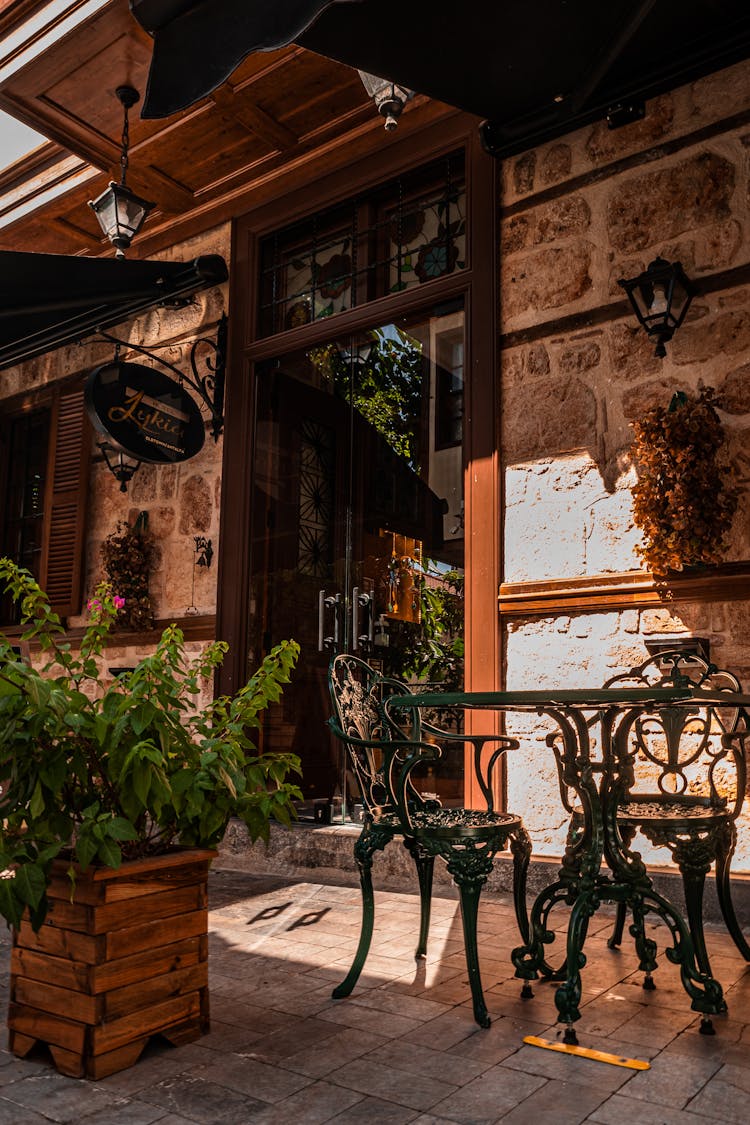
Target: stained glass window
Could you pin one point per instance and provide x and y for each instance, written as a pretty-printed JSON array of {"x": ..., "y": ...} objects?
[{"x": 408, "y": 232}]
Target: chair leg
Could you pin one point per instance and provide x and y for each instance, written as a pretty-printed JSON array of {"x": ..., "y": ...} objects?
[
  {"x": 693, "y": 880},
  {"x": 425, "y": 864},
  {"x": 724, "y": 853},
  {"x": 371, "y": 840},
  {"x": 615, "y": 939},
  {"x": 470, "y": 872},
  {"x": 520, "y": 846}
]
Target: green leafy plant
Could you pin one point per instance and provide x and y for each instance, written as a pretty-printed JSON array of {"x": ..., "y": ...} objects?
[
  {"x": 102, "y": 776},
  {"x": 684, "y": 501},
  {"x": 128, "y": 555}
]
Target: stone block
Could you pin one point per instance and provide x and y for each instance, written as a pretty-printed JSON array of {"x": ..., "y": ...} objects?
[
  {"x": 546, "y": 279},
  {"x": 605, "y": 144},
  {"x": 649, "y": 208},
  {"x": 734, "y": 391},
  {"x": 562, "y": 218},
  {"x": 556, "y": 163},
  {"x": 578, "y": 357},
  {"x": 631, "y": 351},
  {"x": 699, "y": 341},
  {"x": 514, "y": 234},
  {"x": 196, "y": 507},
  {"x": 563, "y": 418},
  {"x": 524, "y": 169},
  {"x": 656, "y": 392}
]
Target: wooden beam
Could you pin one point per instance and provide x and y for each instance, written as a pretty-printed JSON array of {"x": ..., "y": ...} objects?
[
  {"x": 84, "y": 239},
  {"x": 636, "y": 589},
  {"x": 251, "y": 117}
]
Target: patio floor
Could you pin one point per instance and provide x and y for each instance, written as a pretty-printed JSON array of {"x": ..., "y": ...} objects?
[{"x": 404, "y": 1047}]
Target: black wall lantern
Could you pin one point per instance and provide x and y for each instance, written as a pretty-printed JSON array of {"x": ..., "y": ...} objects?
[
  {"x": 660, "y": 298},
  {"x": 119, "y": 211}
]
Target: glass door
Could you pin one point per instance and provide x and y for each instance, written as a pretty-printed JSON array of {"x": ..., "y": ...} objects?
[{"x": 357, "y": 528}]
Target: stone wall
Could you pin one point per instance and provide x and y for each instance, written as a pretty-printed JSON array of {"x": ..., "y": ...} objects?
[
  {"x": 577, "y": 214},
  {"x": 182, "y": 500}
]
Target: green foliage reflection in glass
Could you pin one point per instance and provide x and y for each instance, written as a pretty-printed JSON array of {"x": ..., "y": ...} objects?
[
  {"x": 433, "y": 651},
  {"x": 127, "y": 771},
  {"x": 383, "y": 382}
]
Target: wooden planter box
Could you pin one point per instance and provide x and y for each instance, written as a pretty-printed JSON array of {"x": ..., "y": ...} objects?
[{"x": 126, "y": 959}]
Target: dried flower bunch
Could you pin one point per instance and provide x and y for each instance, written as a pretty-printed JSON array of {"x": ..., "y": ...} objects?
[
  {"x": 684, "y": 501},
  {"x": 127, "y": 554}
]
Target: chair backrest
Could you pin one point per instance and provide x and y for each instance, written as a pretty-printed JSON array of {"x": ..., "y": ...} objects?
[
  {"x": 683, "y": 750},
  {"x": 358, "y": 694}
]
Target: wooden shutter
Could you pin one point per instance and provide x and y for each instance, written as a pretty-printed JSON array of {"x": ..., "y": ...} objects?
[{"x": 65, "y": 503}]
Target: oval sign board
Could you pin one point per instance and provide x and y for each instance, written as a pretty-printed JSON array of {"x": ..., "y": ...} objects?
[{"x": 144, "y": 412}]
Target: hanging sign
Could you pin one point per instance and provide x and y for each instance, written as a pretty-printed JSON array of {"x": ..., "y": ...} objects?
[{"x": 144, "y": 412}]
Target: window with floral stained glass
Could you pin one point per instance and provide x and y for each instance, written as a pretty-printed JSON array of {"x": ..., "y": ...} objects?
[{"x": 409, "y": 231}]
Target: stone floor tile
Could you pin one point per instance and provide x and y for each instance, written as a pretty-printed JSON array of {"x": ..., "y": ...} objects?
[
  {"x": 291, "y": 1039},
  {"x": 335, "y": 1051},
  {"x": 197, "y": 1099},
  {"x": 621, "y": 1110},
  {"x": 416, "y": 1059},
  {"x": 415, "y": 1091},
  {"x": 57, "y": 1097},
  {"x": 355, "y": 1015},
  {"x": 249, "y": 1076},
  {"x": 564, "y": 1103},
  {"x": 488, "y": 1097},
  {"x": 726, "y": 1095},
  {"x": 383, "y": 1004},
  {"x": 127, "y": 1112},
  {"x": 11, "y": 1114},
  {"x": 315, "y": 1104},
  {"x": 672, "y": 1080},
  {"x": 372, "y": 1111}
]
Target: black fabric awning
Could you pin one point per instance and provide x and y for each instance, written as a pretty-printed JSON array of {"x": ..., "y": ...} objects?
[
  {"x": 534, "y": 68},
  {"x": 47, "y": 300}
]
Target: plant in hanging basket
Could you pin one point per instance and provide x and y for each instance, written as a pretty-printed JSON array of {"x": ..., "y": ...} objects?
[
  {"x": 684, "y": 501},
  {"x": 128, "y": 555}
]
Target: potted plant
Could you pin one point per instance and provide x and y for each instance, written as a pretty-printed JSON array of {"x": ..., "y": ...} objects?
[
  {"x": 110, "y": 803},
  {"x": 683, "y": 502}
]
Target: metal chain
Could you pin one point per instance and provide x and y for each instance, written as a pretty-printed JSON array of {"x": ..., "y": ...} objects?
[{"x": 125, "y": 146}]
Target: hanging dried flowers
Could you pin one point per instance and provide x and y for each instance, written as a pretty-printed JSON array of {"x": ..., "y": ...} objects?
[
  {"x": 683, "y": 501},
  {"x": 127, "y": 555}
]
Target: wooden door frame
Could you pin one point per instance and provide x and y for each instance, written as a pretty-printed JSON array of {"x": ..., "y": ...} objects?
[{"x": 478, "y": 282}]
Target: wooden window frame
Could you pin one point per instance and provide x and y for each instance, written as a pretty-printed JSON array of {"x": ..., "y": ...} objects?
[{"x": 477, "y": 284}]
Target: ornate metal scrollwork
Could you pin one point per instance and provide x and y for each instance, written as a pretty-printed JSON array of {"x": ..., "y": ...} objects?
[{"x": 209, "y": 386}]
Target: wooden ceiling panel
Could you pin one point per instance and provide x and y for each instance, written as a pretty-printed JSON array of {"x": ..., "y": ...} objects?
[
  {"x": 198, "y": 156},
  {"x": 196, "y": 166},
  {"x": 331, "y": 91}
]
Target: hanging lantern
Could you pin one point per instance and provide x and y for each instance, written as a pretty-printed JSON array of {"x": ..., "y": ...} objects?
[{"x": 119, "y": 211}]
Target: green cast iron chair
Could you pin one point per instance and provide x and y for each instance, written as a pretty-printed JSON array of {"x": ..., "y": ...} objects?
[
  {"x": 384, "y": 750},
  {"x": 683, "y": 777},
  {"x": 687, "y": 778}
]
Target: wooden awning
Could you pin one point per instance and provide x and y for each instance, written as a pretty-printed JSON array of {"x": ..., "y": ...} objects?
[
  {"x": 47, "y": 300},
  {"x": 533, "y": 70}
]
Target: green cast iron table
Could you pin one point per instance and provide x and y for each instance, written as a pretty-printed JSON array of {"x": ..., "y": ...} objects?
[{"x": 582, "y": 882}]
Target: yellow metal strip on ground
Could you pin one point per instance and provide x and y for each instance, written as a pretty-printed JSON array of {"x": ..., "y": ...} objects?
[{"x": 587, "y": 1053}]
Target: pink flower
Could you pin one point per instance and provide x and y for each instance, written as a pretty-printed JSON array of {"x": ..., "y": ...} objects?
[
  {"x": 94, "y": 604},
  {"x": 119, "y": 602}
]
